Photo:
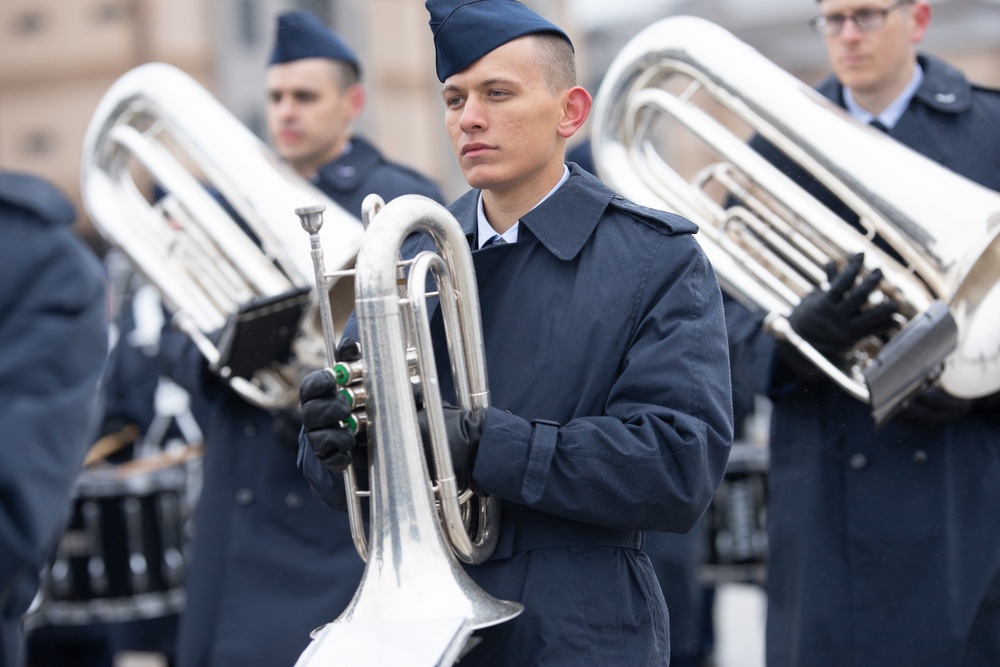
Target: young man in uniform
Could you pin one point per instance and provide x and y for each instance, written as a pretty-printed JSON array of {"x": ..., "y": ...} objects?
[{"x": 606, "y": 345}]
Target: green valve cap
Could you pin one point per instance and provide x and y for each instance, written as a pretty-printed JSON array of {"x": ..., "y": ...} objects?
[{"x": 341, "y": 374}]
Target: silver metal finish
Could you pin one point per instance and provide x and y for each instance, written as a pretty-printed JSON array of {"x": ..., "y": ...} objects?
[
  {"x": 770, "y": 251},
  {"x": 157, "y": 126},
  {"x": 414, "y": 589}
]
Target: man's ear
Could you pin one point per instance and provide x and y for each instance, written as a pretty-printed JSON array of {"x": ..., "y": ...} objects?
[
  {"x": 576, "y": 108},
  {"x": 356, "y": 98},
  {"x": 921, "y": 21}
]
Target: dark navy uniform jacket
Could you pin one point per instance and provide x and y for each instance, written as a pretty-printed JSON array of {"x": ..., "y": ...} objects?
[
  {"x": 349, "y": 179},
  {"x": 269, "y": 563},
  {"x": 53, "y": 343},
  {"x": 884, "y": 547},
  {"x": 608, "y": 369}
]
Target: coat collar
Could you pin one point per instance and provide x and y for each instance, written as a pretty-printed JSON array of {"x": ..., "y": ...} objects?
[
  {"x": 944, "y": 88},
  {"x": 565, "y": 221},
  {"x": 562, "y": 223},
  {"x": 346, "y": 172}
]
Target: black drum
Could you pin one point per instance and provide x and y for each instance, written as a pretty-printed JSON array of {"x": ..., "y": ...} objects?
[
  {"x": 124, "y": 555},
  {"x": 737, "y": 519}
]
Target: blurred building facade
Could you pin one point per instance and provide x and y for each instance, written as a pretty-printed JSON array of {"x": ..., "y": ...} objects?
[{"x": 58, "y": 57}]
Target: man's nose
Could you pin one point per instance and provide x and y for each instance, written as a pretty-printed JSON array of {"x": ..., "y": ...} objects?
[
  {"x": 284, "y": 107},
  {"x": 849, "y": 31},
  {"x": 473, "y": 116}
]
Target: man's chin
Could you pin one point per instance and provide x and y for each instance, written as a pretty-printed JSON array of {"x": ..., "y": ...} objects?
[{"x": 480, "y": 178}]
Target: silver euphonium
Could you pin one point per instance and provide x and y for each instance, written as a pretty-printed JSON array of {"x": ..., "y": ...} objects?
[
  {"x": 675, "y": 79},
  {"x": 415, "y": 604},
  {"x": 222, "y": 244}
]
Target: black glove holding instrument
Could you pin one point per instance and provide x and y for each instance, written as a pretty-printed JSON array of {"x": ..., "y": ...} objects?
[
  {"x": 464, "y": 429},
  {"x": 324, "y": 411},
  {"x": 834, "y": 320}
]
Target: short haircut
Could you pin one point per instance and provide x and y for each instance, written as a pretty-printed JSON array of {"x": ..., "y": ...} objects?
[
  {"x": 345, "y": 74},
  {"x": 556, "y": 59}
]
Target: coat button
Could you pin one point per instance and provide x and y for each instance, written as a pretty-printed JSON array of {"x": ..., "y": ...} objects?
[
  {"x": 920, "y": 456},
  {"x": 294, "y": 500},
  {"x": 244, "y": 497},
  {"x": 858, "y": 461},
  {"x": 249, "y": 430}
]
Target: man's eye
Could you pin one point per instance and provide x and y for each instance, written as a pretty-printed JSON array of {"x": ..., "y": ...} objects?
[{"x": 865, "y": 15}]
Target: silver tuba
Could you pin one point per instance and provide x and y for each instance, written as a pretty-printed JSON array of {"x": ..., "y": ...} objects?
[
  {"x": 674, "y": 80},
  {"x": 413, "y": 589},
  {"x": 222, "y": 245}
]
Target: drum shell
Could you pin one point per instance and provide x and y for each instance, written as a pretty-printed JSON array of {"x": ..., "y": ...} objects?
[
  {"x": 737, "y": 519},
  {"x": 124, "y": 554}
]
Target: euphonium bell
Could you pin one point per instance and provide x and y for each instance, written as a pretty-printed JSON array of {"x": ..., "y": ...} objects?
[
  {"x": 222, "y": 244},
  {"x": 669, "y": 84},
  {"x": 413, "y": 588}
]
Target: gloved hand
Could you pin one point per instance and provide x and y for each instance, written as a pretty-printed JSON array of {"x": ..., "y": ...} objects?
[
  {"x": 464, "y": 429},
  {"x": 834, "y": 320},
  {"x": 324, "y": 412},
  {"x": 933, "y": 407}
]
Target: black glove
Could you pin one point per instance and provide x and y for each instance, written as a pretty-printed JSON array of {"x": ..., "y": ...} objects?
[
  {"x": 834, "y": 320},
  {"x": 464, "y": 429},
  {"x": 324, "y": 411},
  {"x": 349, "y": 350},
  {"x": 933, "y": 407}
]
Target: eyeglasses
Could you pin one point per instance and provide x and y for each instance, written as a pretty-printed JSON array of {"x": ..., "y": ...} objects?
[{"x": 865, "y": 20}]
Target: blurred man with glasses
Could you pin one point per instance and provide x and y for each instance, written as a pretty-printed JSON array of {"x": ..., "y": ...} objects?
[{"x": 884, "y": 546}]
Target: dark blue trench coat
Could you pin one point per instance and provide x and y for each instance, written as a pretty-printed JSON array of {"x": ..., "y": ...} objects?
[
  {"x": 608, "y": 366},
  {"x": 884, "y": 547}
]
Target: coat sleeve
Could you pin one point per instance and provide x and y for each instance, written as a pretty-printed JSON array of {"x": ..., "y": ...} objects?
[
  {"x": 53, "y": 345},
  {"x": 656, "y": 455}
]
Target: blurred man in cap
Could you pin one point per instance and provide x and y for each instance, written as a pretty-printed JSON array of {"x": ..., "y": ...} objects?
[
  {"x": 314, "y": 95},
  {"x": 881, "y": 549},
  {"x": 269, "y": 562},
  {"x": 606, "y": 346}
]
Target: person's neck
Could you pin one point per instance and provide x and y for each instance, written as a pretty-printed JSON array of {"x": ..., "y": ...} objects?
[
  {"x": 876, "y": 101},
  {"x": 504, "y": 207},
  {"x": 311, "y": 168}
]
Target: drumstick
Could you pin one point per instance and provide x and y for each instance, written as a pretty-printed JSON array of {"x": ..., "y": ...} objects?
[
  {"x": 111, "y": 443},
  {"x": 164, "y": 459}
]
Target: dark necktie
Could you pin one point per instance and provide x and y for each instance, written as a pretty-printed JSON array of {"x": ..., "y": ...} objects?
[
  {"x": 496, "y": 239},
  {"x": 877, "y": 124}
]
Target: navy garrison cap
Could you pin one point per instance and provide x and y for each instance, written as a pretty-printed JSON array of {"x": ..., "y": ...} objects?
[
  {"x": 466, "y": 30},
  {"x": 303, "y": 35}
]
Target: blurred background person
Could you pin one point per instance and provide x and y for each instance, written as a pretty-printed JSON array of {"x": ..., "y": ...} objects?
[
  {"x": 880, "y": 550},
  {"x": 269, "y": 562},
  {"x": 53, "y": 344}
]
